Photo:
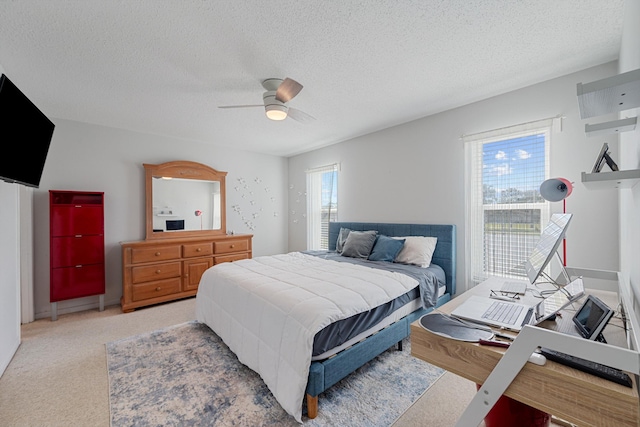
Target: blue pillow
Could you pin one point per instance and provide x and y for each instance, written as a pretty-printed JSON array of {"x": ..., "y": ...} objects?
[{"x": 386, "y": 249}]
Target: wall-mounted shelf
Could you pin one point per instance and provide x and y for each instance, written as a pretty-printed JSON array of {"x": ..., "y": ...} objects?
[
  {"x": 615, "y": 126},
  {"x": 166, "y": 211},
  {"x": 609, "y": 180},
  {"x": 616, "y": 93}
]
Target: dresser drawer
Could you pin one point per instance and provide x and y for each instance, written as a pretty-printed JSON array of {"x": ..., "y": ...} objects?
[
  {"x": 149, "y": 273},
  {"x": 229, "y": 246},
  {"x": 73, "y": 251},
  {"x": 156, "y": 289},
  {"x": 76, "y": 282},
  {"x": 230, "y": 258},
  {"x": 76, "y": 219},
  {"x": 197, "y": 249},
  {"x": 157, "y": 253}
]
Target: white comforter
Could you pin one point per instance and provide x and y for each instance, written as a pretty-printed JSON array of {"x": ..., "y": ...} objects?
[{"x": 268, "y": 309}]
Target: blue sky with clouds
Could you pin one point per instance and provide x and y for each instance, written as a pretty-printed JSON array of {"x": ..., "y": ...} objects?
[{"x": 514, "y": 163}]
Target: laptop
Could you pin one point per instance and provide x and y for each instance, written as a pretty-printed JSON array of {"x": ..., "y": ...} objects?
[
  {"x": 514, "y": 287},
  {"x": 513, "y": 315}
]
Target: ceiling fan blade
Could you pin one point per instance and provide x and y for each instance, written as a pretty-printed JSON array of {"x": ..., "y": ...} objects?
[
  {"x": 287, "y": 90},
  {"x": 300, "y": 116},
  {"x": 241, "y": 106}
]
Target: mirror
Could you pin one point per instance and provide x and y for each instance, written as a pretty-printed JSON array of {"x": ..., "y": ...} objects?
[{"x": 184, "y": 199}]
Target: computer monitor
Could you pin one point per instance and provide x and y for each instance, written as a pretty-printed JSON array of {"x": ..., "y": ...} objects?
[{"x": 546, "y": 248}]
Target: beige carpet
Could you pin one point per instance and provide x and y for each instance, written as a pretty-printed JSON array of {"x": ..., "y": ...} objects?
[{"x": 58, "y": 376}]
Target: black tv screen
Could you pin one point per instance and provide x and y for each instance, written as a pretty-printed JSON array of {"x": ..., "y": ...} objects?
[{"x": 26, "y": 136}]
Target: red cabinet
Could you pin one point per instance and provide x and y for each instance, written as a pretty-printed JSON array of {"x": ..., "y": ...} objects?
[{"x": 76, "y": 246}]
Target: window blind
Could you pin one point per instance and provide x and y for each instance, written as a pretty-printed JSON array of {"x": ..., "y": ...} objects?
[
  {"x": 322, "y": 207},
  {"x": 504, "y": 211}
]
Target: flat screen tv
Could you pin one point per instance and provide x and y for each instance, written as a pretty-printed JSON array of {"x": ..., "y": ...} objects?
[
  {"x": 547, "y": 246},
  {"x": 26, "y": 135},
  {"x": 175, "y": 224}
]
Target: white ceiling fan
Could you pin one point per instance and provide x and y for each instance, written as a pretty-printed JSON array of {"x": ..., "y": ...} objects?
[{"x": 276, "y": 98}]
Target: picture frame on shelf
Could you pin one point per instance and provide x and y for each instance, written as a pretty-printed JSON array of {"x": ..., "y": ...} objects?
[{"x": 603, "y": 158}]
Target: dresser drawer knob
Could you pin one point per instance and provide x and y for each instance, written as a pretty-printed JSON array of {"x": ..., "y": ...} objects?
[
  {"x": 158, "y": 271},
  {"x": 158, "y": 288},
  {"x": 233, "y": 246},
  {"x": 157, "y": 253},
  {"x": 198, "y": 250}
]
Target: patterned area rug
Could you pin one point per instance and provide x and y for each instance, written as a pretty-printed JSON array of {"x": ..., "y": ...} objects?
[{"x": 186, "y": 376}]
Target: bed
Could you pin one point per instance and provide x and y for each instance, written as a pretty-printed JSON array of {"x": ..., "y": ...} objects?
[{"x": 271, "y": 311}]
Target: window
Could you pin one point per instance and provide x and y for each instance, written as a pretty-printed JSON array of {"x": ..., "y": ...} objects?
[
  {"x": 504, "y": 210},
  {"x": 322, "y": 205}
]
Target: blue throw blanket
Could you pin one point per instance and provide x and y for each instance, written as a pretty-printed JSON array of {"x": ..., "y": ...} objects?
[{"x": 429, "y": 279}]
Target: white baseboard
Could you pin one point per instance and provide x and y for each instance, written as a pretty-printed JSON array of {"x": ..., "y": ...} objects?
[{"x": 73, "y": 306}]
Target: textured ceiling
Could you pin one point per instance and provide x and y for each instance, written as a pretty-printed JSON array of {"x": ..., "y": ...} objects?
[{"x": 164, "y": 67}]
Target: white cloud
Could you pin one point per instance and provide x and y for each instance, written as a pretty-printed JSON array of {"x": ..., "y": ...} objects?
[
  {"x": 503, "y": 169},
  {"x": 522, "y": 154},
  {"x": 501, "y": 155}
]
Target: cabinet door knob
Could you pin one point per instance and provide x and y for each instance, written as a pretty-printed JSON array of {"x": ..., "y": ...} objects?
[
  {"x": 158, "y": 271},
  {"x": 157, "y": 253},
  {"x": 158, "y": 288}
]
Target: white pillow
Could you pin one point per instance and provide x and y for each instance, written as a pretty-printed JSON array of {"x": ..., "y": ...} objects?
[{"x": 417, "y": 250}]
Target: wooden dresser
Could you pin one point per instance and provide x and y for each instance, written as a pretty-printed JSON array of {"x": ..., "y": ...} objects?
[{"x": 156, "y": 271}]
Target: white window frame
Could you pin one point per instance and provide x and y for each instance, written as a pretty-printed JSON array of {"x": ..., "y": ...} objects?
[
  {"x": 474, "y": 206},
  {"x": 317, "y": 218}
]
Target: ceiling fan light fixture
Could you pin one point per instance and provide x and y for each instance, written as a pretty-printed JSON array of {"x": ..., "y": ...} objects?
[
  {"x": 276, "y": 100},
  {"x": 276, "y": 112}
]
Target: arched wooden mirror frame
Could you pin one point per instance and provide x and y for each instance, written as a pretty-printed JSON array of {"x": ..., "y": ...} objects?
[{"x": 185, "y": 170}]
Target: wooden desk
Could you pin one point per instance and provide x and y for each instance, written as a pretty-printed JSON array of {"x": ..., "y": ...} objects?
[{"x": 566, "y": 393}]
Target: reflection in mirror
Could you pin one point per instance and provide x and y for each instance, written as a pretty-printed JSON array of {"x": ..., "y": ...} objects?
[
  {"x": 185, "y": 204},
  {"x": 184, "y": 199}
]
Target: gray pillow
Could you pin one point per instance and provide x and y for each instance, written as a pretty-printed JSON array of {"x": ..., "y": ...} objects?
[
  {"x": 342, "y": 237},
  {"x": 359, "y": 244}
]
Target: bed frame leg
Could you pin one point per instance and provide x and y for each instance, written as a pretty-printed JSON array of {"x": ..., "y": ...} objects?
[
  {"x": 312, "y": 406},
  {"x": 399, "y": 345}
]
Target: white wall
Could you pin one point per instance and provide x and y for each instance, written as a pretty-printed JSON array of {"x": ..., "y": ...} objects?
[
  {"x": 96, "y": 158},
  {"x": 9, "y": 274},
  {"x": 414, "y": 172},
  {"x": 630, "y": 156}
]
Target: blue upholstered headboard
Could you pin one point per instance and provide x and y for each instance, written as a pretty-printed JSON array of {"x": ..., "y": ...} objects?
[{"x": 444, "y": 255}]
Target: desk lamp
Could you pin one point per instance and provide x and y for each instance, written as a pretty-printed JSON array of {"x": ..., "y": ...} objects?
[{"x": 554, "y": 190}]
